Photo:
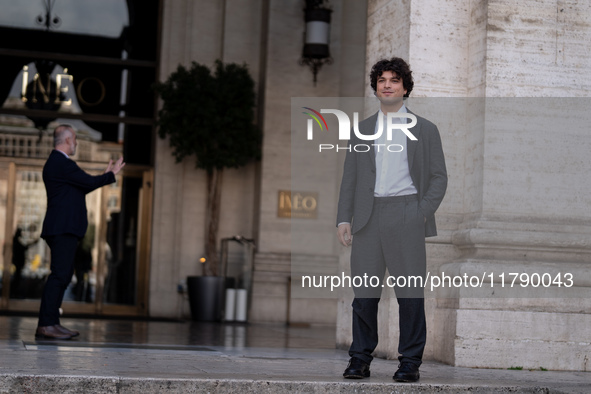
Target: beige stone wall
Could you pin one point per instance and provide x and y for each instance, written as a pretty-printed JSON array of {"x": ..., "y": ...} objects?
[
  {"x": 192, "y": 31},
  {"x": 309, "y": 240},
  {"x": 535, "y": 48}
]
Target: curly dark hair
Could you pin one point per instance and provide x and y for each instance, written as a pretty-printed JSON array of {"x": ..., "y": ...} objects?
[{"x": 396, "y": 65}]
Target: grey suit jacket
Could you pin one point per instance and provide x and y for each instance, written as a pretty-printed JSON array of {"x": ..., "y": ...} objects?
[{"x": 427, "y": 170}]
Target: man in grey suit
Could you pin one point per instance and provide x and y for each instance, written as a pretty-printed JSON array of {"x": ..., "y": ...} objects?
[{"x": 387, "y": 203}]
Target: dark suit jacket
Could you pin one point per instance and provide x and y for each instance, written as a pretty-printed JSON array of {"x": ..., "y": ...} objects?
[
  {"x": 66, "y": 185},
  {"x": 427, "y": 170}
]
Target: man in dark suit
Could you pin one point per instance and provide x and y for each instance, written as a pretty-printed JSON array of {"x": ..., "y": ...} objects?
[
  {"x": 65, "y": 223},
  {"x": 387, "y": 202}
]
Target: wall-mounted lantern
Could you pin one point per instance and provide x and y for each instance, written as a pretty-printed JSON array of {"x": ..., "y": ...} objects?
[{"x": 316, "y": 51}]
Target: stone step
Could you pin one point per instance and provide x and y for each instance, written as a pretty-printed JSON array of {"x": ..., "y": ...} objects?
[{"x": 113, "y": 384}]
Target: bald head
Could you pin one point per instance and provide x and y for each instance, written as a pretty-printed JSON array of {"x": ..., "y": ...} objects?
[
  {"x": 64, "y": 139},
  {"x": 60, "y": 133}
]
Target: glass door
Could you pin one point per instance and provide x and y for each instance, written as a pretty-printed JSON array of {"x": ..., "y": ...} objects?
[
  {"x": 111, "y": 265},
  {"x": 124, "y": 242}
]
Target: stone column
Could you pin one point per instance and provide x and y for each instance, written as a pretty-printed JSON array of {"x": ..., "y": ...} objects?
[
  {"x": 279, "y": 245},
  {"x": 518, "y": 197}
]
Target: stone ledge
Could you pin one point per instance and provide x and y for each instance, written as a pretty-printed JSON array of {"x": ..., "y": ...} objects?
[
  {"x": 535, "y": 240},
  {"x": 76, "y": 384}
]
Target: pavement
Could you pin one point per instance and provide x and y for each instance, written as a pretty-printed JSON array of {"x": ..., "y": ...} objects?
[{"x": 130, "y": 356}]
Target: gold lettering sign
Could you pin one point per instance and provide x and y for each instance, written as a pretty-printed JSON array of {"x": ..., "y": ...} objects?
[
  {"x": 52, "y": 91},
  {"x": 301, "y": 205},
  {"x": 91, "y": 91}
]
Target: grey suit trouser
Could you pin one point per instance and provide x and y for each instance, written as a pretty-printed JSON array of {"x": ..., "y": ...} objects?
[{"x": 393, "y": 238}]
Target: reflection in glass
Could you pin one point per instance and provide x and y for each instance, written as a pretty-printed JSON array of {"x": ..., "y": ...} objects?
[
  {"x": 34, "y": 88},
  {"x": 31, "y": 257},
  {"x": 30, "y": 266},
  {"x": 120, "y": 282}
]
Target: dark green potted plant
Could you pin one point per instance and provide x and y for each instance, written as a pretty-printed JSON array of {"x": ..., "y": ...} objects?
[{"x": 210, "y": 117}]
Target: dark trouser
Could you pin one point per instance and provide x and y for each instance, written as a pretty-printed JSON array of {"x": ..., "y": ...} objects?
[
  {"x": 15, "y": 286},
  {"x": 394, "y": 238},
  {"x": 63, "y": 251}
]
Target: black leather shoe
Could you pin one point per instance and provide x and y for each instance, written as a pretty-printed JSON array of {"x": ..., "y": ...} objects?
[
  {"x": 51, "y": 332},
  {"x": 407, "y": 372},
  {"x": 71, "y": 333},
  {"x": 357, "y": 369}
]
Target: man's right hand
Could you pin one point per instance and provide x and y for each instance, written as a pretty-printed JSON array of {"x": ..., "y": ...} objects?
[
  {"x": 344, "y": 233},
  {"x": 115, "y": 167}
]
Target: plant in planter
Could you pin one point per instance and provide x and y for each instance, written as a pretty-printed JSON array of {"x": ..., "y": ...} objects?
[{"x": 210, "y": 116}]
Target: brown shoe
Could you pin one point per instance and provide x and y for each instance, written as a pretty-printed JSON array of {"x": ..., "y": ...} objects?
[
  {"x": 63, "y": 329},
  {"x": 52, "y": 332}
]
